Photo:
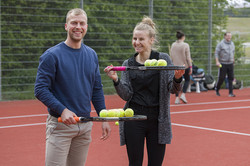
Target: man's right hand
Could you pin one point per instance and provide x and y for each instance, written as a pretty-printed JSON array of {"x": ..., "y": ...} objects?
[{"x": 68, "y": 117}]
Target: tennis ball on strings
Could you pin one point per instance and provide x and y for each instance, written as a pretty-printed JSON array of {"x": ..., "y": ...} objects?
[
  {"x": 117, "y": 123},
  {"x": 103, "y": 113},
  {"x": 129, "y": 112},
  {"x": 154, "y": 62},
  {"x": 147, "y": 62},
  {"x": 220, "y": 66},
  {"x": 111, "y": 113},
  {"x": 162, "y": 62},
  {"x": 116, "y": 113},
  {"x": 122, "y": 113}
]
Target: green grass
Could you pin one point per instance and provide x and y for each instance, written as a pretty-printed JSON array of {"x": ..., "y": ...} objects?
[{"x": 240, "y": 26}]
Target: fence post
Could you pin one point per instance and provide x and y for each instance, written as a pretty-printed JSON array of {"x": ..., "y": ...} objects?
[
  {"x": 210, "y": 24},
  {"x": 151, "y": 10},
  {"x": 81, "y": 4}
]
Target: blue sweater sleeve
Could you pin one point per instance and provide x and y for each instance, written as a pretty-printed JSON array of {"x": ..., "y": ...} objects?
[
  {"x": 98, "y": 99},
  {"x": 43, "y": 85}
]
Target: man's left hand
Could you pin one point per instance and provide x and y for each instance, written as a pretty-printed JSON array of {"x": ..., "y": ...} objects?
[{"x": 106, "y": 130}]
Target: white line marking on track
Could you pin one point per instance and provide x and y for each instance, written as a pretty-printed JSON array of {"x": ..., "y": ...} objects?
[
  {"x": 24, "y": 125},
  {"x": 23, "y": 116},
  {"x": 216, "y": 102},
  {"x": 210, "y": 129},
  {"x": 207, "y": 110},
  {"x": 26, "y": 116}
]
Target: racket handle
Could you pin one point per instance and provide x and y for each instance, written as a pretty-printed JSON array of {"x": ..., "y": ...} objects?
[
  {"x": 119, "y": 68},
  {"x": 76, "y": 119}
]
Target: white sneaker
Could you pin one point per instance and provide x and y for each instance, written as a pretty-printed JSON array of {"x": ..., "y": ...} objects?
[
  {"x": 183, "y": 98},
  {"x": 177, "y": 100}
]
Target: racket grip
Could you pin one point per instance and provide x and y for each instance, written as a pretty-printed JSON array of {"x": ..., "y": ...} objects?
[
  {"x": 76, "y": 119},
  {"x": 119, "y": 68}
]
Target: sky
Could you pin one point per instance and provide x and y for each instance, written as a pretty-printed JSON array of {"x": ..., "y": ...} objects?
[{"x": 239, "y": 3}]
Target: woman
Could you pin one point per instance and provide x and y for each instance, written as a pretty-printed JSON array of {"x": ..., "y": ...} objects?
[
  {"x": 147, "y": 93},
  {"x": 180, "y": 54}
]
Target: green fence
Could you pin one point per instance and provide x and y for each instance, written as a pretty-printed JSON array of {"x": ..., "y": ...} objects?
[{"x": 29, "y": 27}]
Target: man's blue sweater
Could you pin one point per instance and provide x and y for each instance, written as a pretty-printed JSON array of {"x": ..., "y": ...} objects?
[{"x": 69, "y": 78}]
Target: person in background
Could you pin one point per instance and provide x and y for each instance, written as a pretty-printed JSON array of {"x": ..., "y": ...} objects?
[
  {"x": 180, "y": 54},
  {"x": 224, "y": 57},
  {"x": 68, "y": 79},
  {"x": 147, "y": 93}
]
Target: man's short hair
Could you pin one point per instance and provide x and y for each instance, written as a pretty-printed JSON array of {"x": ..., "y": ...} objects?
[
  {"x": 225, "y": 34},
  {"x": 76, "y": 12}
]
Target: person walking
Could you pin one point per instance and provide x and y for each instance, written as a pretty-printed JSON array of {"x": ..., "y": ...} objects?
[
  {"x": 180, "y": 54},
  {"x": 68, "y": 79},
  {"x": 224, "y": 57},
  {"x": 147, "y": 93}
]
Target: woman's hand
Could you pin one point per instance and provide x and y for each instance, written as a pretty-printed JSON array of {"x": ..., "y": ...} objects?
[
  {"x": 190, "y": 71},
  {"x": 112, "y": 74},
  {"x": 179, "y": 73}
]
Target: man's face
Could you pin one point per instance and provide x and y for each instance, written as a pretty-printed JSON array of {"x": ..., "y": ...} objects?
[
  {"x": 76, "y": 27},
  {"x": 228, "y": 36}
]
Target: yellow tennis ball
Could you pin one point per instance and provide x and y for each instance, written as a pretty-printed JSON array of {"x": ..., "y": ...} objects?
[
  {"x": 147, "y": 62},
  {"x": 116, "y": 113},
  {"x": 129, "y": 112},
  {"x": 111, "y": 113},
  {"x": 162, "y": 62},
  {"x": 154, "y": 62},
  {"x": 122, "y": 113},
  {"x": 117, "y": 123},
  {"x": 103, "y": 113},
  {"x": 220, "y": 66}
]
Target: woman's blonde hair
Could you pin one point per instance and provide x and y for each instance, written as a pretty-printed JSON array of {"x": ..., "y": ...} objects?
[{"x": 148, "y": 24}]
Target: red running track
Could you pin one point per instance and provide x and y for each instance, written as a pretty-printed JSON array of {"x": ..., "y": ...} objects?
[{"x": 208, "y": 131}]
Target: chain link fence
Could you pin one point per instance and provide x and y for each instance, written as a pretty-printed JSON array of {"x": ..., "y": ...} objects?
[{"x": 29, "y": 27}]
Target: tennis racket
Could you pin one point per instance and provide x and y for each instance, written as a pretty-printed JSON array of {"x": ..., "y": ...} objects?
[
  {"x": 104, "y": 119},
  {"x": 124, "y": 68}
]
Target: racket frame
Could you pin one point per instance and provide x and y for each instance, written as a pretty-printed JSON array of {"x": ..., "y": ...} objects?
[{"x": 107, "y": 119}]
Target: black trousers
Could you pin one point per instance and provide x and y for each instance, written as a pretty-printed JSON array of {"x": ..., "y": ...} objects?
[
  {"x": 226, "y": 69},
  {"x": 139, "y": 132}
]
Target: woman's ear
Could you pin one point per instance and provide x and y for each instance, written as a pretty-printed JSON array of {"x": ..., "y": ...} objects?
[{"x": 152, "y": 40}]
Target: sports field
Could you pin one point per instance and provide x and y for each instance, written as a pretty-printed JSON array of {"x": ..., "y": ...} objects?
[{"x": 208, "y": 131}]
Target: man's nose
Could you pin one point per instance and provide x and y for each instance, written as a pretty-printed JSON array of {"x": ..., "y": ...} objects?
[{"x": 78, "y": 25}]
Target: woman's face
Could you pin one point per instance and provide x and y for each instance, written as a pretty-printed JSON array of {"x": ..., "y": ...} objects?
[{"x": 141, "y": 41}]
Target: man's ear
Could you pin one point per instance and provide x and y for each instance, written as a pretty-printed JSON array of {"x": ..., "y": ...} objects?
[{"x": 65, "y": 26}]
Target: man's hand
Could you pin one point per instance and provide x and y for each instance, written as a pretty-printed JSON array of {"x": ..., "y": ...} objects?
[
  {"x": 68, "y": 117},
  {"x": 217, "y": 62},
  {"x": 106, "y": 130}
]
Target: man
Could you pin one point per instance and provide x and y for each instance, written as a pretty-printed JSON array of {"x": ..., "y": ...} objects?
[
  {"x": 224, "y": 56},
  {"x": 68, "y": 79}
]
